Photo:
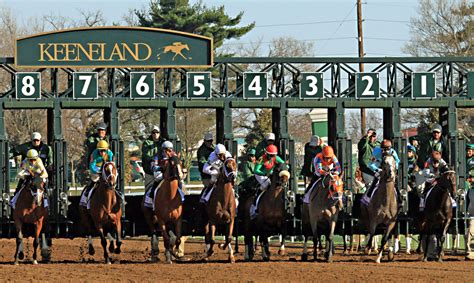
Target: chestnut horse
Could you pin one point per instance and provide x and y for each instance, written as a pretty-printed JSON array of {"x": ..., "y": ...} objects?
[
  {"x": 221, "y": 208},
  {"x": 30, "y": 209},
  {"x": 167, "y": 215},
  {"x": 105, "y": 212},
  {"x": 438, "y": 212}
]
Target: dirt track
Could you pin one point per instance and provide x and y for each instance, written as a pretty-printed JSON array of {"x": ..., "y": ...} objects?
[{"x": 67, "y": 264}]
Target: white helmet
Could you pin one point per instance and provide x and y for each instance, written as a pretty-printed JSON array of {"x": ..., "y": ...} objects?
[
  {"x": 220, "y": 148},
  {"x": 270, "y": 137},
  {"x": 167, "y": 144}
]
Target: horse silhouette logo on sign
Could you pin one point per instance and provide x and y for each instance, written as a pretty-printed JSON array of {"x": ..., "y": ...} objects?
[{"x": 176, "y": 48}]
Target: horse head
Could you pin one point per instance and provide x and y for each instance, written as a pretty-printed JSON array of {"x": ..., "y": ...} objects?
[
  {"x": 229, "y": 170},
  {"x": 36, "y": 186},
  {"x": 280, "y": 176},
  {"x": 109, "y": 174},
  {"x": 389, "y": 169},
  {"x": 447, "y": 180},
  {"x": 171, "y": 170}
]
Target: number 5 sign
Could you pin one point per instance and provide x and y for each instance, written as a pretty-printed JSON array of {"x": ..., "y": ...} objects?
[
  {"x": 84, "y": 85},
  {"x": 28, "y": 85},
  {"x": 198, "y": 85},
  {"x": 367, "y": 86}
]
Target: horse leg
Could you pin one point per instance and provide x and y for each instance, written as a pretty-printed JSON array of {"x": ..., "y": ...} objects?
[
  {"x": 249, "y": 252},
  {"x": 103, "y": 242},
  {"x": 281, "y": 251},
  {"x": 368, "y": 247},
  {"x": 118, "y": 231},
  {"x": 177, "y": 243},
  {"x": 36, "y": 242},
  {"x": 265, "y": 246},
  {"x": 166, "y": 241},
  {"x": 441, "y": 238},
  {"x": 90, "y": 246},
  {"x": 19, "y": 255},
  {"x": 385, "y": 238},
  {"x": 304, "y": 256},
  {"x": 315, "y": 241},
  {"x": 330, "y": 242},
  {"x": 155, "y": 251},
  {"x": 229, "y": 241},
  {"x": 425, "y": 238},
  {"x": 111, "y": 243}
]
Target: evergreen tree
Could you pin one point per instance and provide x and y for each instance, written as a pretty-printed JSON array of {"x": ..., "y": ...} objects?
[{"x": 198, "y": 19}]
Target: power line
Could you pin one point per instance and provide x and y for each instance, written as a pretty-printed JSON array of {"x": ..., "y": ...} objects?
[
  {"x": 302, "y": 24},
  {"x": 389, "y": 39},
  {"x": 338, "y": 27},
  {"x": 387, "y": 21},
  {"x": 299, "y": 40}
]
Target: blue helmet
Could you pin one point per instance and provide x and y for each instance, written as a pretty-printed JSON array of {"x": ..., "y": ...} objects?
[{"x": 411, "y": 148}]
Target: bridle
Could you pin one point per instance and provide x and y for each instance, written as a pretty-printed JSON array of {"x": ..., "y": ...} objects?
[{"x": 108, "y": 175}]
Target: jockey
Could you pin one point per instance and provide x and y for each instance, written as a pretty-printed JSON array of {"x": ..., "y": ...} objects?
[
  {"x": 431, "y": 172},
  {"x": 33, "y": 167},
  {"x": 99, "y": 156},
  {"x": 325, "y": 163},
  {"x": 385, "y": 149},
  {"x": 263, "y": 172},
  {"x": 212, "y": 167}
]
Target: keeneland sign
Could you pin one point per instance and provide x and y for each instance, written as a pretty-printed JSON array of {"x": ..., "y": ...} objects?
[{"x": 114, "y": 47}]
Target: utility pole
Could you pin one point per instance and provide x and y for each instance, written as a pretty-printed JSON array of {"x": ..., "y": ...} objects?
[{"x": 360, "y": 39}]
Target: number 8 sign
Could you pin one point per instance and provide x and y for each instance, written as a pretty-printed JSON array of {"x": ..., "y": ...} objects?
[{"x": 28, "y": 85}]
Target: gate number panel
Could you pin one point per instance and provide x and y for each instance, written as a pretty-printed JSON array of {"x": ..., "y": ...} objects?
[
  {"x": 367, "y": 85},
  {"x": 198, "y": 85},
  {"x": 84, "y": 85},
  {"x": 311, "y": 85},
  {"x": 255, "y": 85},
  {"x": 28, "y": 85},
  {"x": 423, "y": 85},
  {"x": 142, "y": 85}
]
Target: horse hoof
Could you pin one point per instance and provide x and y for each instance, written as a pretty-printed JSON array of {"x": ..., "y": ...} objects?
[
  {"x": 155, "y": 259},
  {"x": 35, "y": 261},
  {"x": 304, "y": 257},
  {"x": 168, "y": 261},
  {"x": 21, "y": 256},
  {"x": 46, "y": 255},
  {"x": 221, "y": 246},
  {"x": 266, "y": 258},
  {"x": 111, "y": 249},
  {"x": 231, "y": 259},
  {"x": 91, "y": 250},
  {"x": 377, "y": 261},
  {"x": 281, "y": 252},
  {"x": 117, "y": 251},
  {"x": 16, "y": 262},
  {"x": 210, "y": 253},
  {"x": 390, "y": 256},
  {"x": 440, "y": 260},
  {"x": 107, "y": 261},
  {"x": 329, "y": 260},
  {"x": 425, "y": 259}
]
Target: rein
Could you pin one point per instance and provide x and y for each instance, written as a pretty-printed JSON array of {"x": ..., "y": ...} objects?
[{"x": 108, "y": 178}]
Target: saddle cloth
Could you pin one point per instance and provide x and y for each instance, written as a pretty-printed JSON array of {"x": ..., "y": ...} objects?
[
  {"x": 15, "y": 199},
  {"x": 150, "y": 201},
  {"x": 308, "y": 193}
]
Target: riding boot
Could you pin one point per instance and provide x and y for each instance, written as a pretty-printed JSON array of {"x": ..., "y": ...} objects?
[{"x": 370, "y": 191}]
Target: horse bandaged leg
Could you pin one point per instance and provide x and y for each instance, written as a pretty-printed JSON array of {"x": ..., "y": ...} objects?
[
  {"x": 308, "y": 193},
  {"x": 15, "y": 198}
]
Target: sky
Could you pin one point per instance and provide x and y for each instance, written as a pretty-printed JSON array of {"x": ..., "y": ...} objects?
[{"x": 330, "y": 25}]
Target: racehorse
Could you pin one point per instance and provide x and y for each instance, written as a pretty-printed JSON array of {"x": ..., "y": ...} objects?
[
  {"x": 105, "y": 212},
  {"x": 221, "y": 208},
  {"x": 167, "y": 215},
  {"x": 29, "y": 209},
  {"x": 324, "y": 206},
  {"x": 382, "y": 209},
  {"x": 438, "y": 211},
  {"x": 271, "y": 217}
]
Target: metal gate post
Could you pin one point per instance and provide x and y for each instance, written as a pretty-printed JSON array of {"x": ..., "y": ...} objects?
[{"x": 168, "y": 121}]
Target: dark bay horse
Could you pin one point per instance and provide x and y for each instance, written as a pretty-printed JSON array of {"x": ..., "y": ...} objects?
[
  {"x": 105, "y": 212},
  {"x": 221, "y": 208},
  {"x": 167, "y": 215},
  {"x": 438, "y": 212},
  {"x": 383, "y": 207},
  {"x": 29, "y": 209},
  {"x": 271, "y": 218},
  {"x": 323, "y": 210}
]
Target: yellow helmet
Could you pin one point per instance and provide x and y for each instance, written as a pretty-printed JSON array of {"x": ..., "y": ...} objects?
[
  {"x": 32, "y": 154},
  {"x": 102, "y": 144}
]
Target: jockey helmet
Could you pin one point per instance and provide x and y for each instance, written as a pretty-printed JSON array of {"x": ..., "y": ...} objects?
[
  {"x": 252, "y": 152},
  {"x": 328, "y": 152},
  {"x": 220, "y": 149},
  {"x": 32, "y": 154},
  {"x": 102, "y": 144},
  {"x": 411, "y": 148},
  {"x": 270, "y": 137},
  {"x": 436, "y": 155},
  {"x": 271, "y": 149},
  {"x": 167, "y": 145},
  {"x": 387, "y": 144}
]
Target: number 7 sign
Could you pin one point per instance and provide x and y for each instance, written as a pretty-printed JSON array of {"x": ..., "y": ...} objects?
[{"x": 84, "y": 85}]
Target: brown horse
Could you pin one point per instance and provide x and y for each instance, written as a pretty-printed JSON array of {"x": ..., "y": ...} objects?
[
  {"x": 271, "y": 217},
  {"x": 105, "y": 212},
  {"x": 382, "y": 209},
  {"x": 29, "y": 209},
  {"x": 221, "y": 208},
  {"x": 167, "y": 215},
  {"x": 438, "y": 212},
  {"x": 324, "y": 206}
]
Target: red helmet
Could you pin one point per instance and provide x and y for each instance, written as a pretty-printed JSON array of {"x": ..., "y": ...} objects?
[
  {"x": 271, "y": 149},
  {"x": 328, "y": 151}
]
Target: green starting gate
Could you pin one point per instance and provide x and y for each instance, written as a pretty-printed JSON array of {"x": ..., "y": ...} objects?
[{"x": 113, "y": 68}]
